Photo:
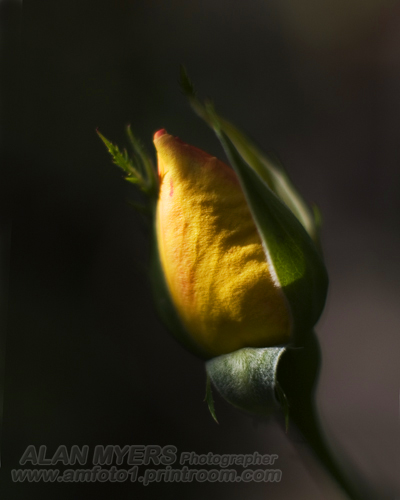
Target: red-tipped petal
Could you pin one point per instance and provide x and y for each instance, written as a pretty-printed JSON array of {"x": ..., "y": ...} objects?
[{"x": 159, "y": 133}]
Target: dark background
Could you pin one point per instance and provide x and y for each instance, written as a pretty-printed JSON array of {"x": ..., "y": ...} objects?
[{"x": 86, "y": 360}]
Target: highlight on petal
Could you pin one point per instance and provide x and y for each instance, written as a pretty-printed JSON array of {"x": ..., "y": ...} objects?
[{"x": 212, "y": 255}]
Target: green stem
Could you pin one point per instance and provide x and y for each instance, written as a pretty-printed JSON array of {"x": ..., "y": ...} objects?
[
  {"x": 307, "y": 422},
  {"x": 297, "y": 375}
]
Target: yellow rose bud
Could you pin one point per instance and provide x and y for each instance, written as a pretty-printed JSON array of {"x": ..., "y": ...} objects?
[
  {"x": 236, "y": 266},
  {"x": 226, "y": 294}
]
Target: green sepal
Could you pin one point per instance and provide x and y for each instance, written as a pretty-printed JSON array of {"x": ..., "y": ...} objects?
[
  {"x": 267, "y": 166},
  {"x": 294, "y": 258},
  {"x": 272, "y": 172},
  {"x": 247, "y": 379},
  {"x": 145, "y": 162},
  {"x": 139, "y": 168}
]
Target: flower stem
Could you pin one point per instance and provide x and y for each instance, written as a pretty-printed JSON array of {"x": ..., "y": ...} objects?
[{"x": 297, "y": 375}]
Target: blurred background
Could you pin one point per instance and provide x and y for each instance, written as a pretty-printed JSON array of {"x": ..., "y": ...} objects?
[{"x": 86, "y": 360}]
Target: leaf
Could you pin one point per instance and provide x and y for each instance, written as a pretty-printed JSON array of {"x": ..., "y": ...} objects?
[
  {"x": 146, "y": 163},
  {"x": 272, "y": 172},
  {"x": 247, "y": 378},
  {"x": 139, "y": 169},
  {"x": 266, "y": 166},
  {"x": 294, "y": 259},
  {"x": 120, "y": 159}
]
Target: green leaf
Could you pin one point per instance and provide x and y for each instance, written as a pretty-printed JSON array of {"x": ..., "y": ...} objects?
[
  {"x": 266, "y": 166},
  {"x": 149, "y": 171},
  {"x": 133, "y": 180},
  {"x": 209, "y": 399},
  {"x": 139, "y": 169},
  {"x": 293, "y": 257},
  {"x": 272, "y": 172},
  {"x": 120, "y": 159},
  {"x": 247, "y": 378}
]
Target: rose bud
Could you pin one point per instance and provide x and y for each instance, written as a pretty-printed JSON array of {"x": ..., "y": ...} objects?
[
  {"x": 236, "y": 268},
  {"x": 212, "y": 256},
  {"x": 220, "y": 273}
]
